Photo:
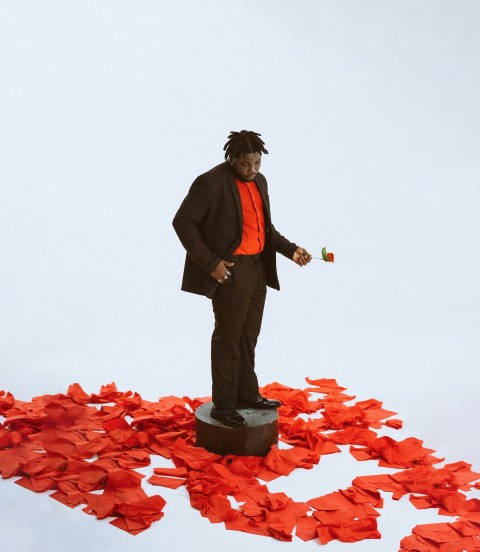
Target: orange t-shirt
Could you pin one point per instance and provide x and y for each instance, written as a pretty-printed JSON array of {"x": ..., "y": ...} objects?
[{"x": 253, "y": 234}]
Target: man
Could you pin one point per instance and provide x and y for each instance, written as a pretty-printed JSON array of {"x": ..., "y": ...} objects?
[{"x": 225, "y": 225}]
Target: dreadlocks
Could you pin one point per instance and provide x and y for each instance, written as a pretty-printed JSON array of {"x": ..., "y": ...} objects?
[{"x": 240, "y": 143}]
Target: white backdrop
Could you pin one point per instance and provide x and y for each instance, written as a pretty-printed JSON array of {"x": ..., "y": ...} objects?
[{"x": 370, "y": 112}]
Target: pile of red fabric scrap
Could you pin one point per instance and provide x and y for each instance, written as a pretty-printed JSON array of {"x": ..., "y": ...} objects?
[{"x": 85, "y": 449}]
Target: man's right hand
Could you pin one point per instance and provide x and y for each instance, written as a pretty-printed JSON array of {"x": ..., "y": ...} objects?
[{"x": 221, "y": 273}]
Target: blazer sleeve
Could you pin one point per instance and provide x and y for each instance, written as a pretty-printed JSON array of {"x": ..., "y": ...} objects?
[
  {"x": 282, "y": 245},
  {"x": 187, "y": 223}
]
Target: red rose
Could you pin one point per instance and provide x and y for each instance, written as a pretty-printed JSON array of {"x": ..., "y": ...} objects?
[{"x": 327, "y": 257}]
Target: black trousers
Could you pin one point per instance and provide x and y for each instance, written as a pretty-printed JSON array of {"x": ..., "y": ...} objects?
[{"x": 238, "y": 308}]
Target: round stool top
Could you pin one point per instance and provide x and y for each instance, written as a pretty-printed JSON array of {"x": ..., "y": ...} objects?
[{"x": 254, "y": 417}]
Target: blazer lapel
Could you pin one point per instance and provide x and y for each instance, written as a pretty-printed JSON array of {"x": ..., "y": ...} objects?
[
  {"x": 262, "y": 187},
  {"x": 236, "y": 197}
]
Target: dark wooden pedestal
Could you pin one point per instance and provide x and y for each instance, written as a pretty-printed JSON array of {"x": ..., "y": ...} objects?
[{"x": 255, "y": 439}]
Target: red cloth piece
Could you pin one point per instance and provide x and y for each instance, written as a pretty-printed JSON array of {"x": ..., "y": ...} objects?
[
  {"x": 169, "y": 438},
  {"x": 240, "y": 522},
  {"x": 158, "y": 449},
  {"x": 421, "y": 479},
  {"x": 140, "y": 515},
  {"x": 238, "y": 482},
  {"x": 286, "y": 460},
  {"x": 193, "y": 457},
  {"x": 357, "y": 495},
  {"x": 91, "y": 477},
  {"x": 293, "y": 400},
  {"x": 115, "y": 423},
  {"x": 335, "y": 501},
  {"x": 463, "y": 475},
  {"x": 374, "y": 412},
  {"x": 326, "y": 385},
  {"x": 121, "y": 486},
  {"x": 396, "y": 454},
  {"x": 216, "y": 508},
  {"x": 414, "y": 543},
  {"x": 77, "y": 394},
  {"x": 394, "y": 423},
  {"x": 175, "y": 472},
  {"x": 130, "y": 526},
  {"x": 108, "y": 393},
  {"x": 71, "y": 498},
  {"x": 307, "y": 435},
  {"x": 133, "y": 459},
  {"x": 130, "y": 402},
  {"x": 272, "y": 514},
  {"x": 284, "y": 513},
  {"x": 36, "y": 485},
  {"x": 10, "y": 439},
  {"x": 307, "y": 528},
  {"x": 169, "y": 482},
  {"x": 354, "y": 523},
  {"x": 382, "y": 482},
  {"x": 338, "y": 416},
  {"x": 13, "y": 459},
  {"x": 445, "y": 537},
  {"x": 6, "y": 402},
  {"x": 340, "y": 517},
  {"x": 353, "y": 436},
  {"x": 248, "y": 466},
  {"x": 356, "y": 530}
]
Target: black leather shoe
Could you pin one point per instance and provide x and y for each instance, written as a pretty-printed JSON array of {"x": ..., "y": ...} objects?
[
  {"x": 228, "y": 416},
  {"x": 259, "y": 402}
]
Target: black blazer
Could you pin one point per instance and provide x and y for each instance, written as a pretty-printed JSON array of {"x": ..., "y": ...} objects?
[{"x": 209, "y": 224}]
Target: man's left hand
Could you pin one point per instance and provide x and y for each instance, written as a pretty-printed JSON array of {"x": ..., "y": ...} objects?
[{"x": 301, "y": 256}]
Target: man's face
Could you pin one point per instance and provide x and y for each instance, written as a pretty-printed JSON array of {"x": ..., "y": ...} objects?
[{"x": 247, "y": 165}]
